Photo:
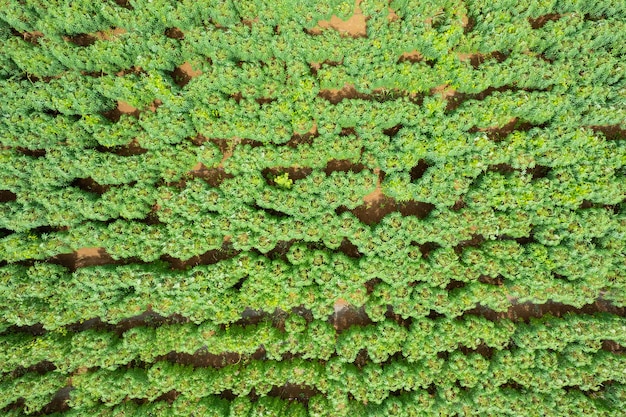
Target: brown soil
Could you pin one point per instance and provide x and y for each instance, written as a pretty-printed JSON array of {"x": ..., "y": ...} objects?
[
  {"x": 349, "y": 249},
  {"x": 198, "y": 140},
  {"x": 419, "y": 170},
  {"x": 227, "y": 146},
  {"x": 147, "y": 318},
  {"x": 613, "y": 347},
  {"x": 132, "y": 70},
  {"x": 208, "y": 258},
  {"x": 86, "y": 39},
  {"x": 84, "y": 257},
  {"x": 90, "y": 185},
  {"x": 155, "y": 105},
  {"x": 458, "y": 204},
  {"x": 315, "y": 66},
  {"x": 203, "y": 359},
  {"x": 167, "y": 397},
  {"x": 524, "y": 311},
  {"x": 251, "y": 22},
  {"x": 497, "y": 281},
  {"x": 412, "y": 56},
  {"x": 475, "y": 241},
  {"x": 184, "y": 73},
  {"x": 474, "y": 59},
  {"x": 121, "y": 108},
  {"x": 418, "y": 209},
  {"x": 454, "y": 98},
  {"x": 265, "y": 100},
  {"x": 377, "y": 205},
  {"x": 444, "y": 90},
  {"x": 35, "y": 153},
  {"x": 109, "y": 34},
  {"x": 124, "y": 3},
  {"x": 174, "y": 33},
  {"x": 126, "y": 108},
  {"x": 6, "y": 196},
  {"x": 497, "y": 133},
  {"x": 343, "y": 165},
  {"x": 92, "y": 256},
  {"x": 59, "y": 402},
  {"x": 540, "y": 21},
  {"x": 303, "y": 138},
  {"x": 82, "y": 39},
  {"x": 293, "y": 392},
  {"x": 214, "y": 176},
  {"x": 503, "y": 169},
  {"x": 392, "y": 16},
  {"x": 294, "y": 173},
  {"x": 347, "y": 315},
  {"x": 132, "y": 148},
  {"x": 611, "y": 132},
  {"x": 355, "y": 26},
  {"x": 468, "y": 23},
  {"x": 347, "y": 92},
  {"x": 30, "y": 37}
]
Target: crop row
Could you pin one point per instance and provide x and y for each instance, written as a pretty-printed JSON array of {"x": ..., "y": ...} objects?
[
  {"x": 233, "y": 210},
  {"x": 550, "y": 374},
  {"x": 221, "y": 291},
  {"x": 419, "y": 403},
  {"x": 316, "y": 340}
]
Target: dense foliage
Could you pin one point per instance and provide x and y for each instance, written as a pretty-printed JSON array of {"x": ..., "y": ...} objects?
[{"x": 288, "y": 218}]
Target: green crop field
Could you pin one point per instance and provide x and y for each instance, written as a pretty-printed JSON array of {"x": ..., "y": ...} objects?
[{"x": 313, "y": 208}]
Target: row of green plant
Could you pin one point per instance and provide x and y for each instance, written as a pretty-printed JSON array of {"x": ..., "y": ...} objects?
[
  {"x": 47, "y": 294},
  {"x": 69, "y": 351},
  {"x": 414, "y": 404},
  {"x": 313, "y": 278},
  {"x": 99, "y": 220},
  {"x": 547, "y": 375}
]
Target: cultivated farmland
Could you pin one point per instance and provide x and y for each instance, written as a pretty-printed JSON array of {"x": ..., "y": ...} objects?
[{"x": 303, "y": 208}]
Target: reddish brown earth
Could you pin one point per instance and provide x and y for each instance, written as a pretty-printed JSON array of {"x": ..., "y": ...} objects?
[
  {"x": 132, "y": 70},
  {"x": 611, "y": 132},
  {"x": 541, "y": 21},
  {"x": 30, "y": 37},
  {"x": 208, "y": 258},
  {"x": 184, "y": 73},
  {"x": 412, "y": 56},
  {"x": 524, "y": 311},
  {"x": 6, "y": 196},
  {"x": 84, "y": 257},
  {"x": 155, "y": 105},
  {"x": 444, "y": 90},
  {"x": 214, "y": 176},
  {"x": 347, "y": 315},
  {"x": 131, "y": 148},
  {"x": 110, "y": 34},
  {"x": 88, "y": 39},
  {"x": 347, "y": 92},
  {"x": 499, "y": 132},
  {"x": 467, "y": 23},
  {"x": 376, "y": 205},
  {"x": 303, "y": 138},
  {"x": 392, "y": 16},
  {"x": 174, "y": 33},
  {"x": 121, "y": 108},
  {"x": 355, "y": 26}
]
